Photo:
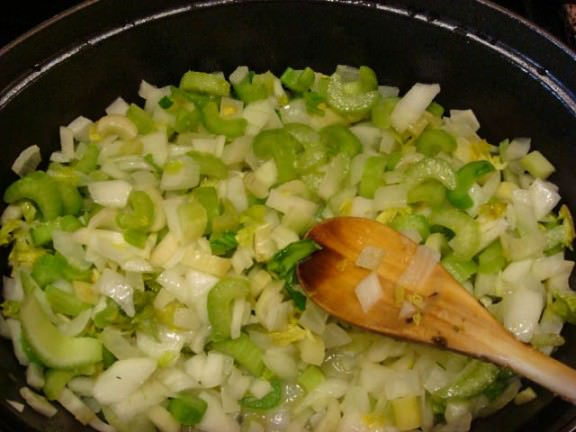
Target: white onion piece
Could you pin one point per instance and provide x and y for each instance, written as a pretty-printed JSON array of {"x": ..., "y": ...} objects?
[
  {"x": 409, "y": 109},
  {"x": 370, "y": 257},
  {"x": 37, "y": 402},
  {"x": 368, "y": 291},
  {"x": 115, "y": 286},
  {"x": 420, "y": 267},
  {"x": 27, "y": 161},
  {"x": 110, "y": 193}
]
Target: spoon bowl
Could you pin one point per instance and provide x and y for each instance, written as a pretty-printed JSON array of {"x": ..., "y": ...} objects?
[{"x": 444, "y": 313}]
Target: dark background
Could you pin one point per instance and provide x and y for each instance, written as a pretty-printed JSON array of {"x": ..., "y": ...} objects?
[{"x": 18, "y": 16}]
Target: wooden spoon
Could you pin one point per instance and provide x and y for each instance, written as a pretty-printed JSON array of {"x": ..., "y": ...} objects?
[{"x": 450, "y": 317}]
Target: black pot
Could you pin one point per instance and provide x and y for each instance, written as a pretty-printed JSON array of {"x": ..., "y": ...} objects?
[{"x": 519, "y": 81}]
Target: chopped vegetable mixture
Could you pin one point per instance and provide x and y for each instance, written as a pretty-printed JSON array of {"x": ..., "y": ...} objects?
[{"x": 153, "y": 258}]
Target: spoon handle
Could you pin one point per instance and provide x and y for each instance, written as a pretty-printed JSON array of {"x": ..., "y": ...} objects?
[{"x": 536, "y": 366}]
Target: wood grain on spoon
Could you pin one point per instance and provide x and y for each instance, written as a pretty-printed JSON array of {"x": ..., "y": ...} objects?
[{"x": 450, "y": 317}]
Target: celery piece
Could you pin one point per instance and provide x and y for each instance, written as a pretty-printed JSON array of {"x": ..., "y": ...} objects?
[
  {"x": 135, "y": 237},
  {"x": 537, "y": 165},
  {"x": 563, "y": 304},
  {"x": 193, "y": 219},
  {"x": 251, "y": 88},
  {"x": 380, "y": 114},
  {"x": 461, "y": 270},
  {"x": 56, "y": 381},
  {"x": 412, "y": 222},
  {"x": 187, "y": 408},
  {"x": 465, "y": 178},
  {"x": 165, "y": 102},
  {"x": 215, "y": 123},
  {"x": 492, "y": 259},
  {"x": 223, "y": 243},
  {"x": 206, "y": 83},
  {"x": 39, "y": 188},
  {"x": 281, "y": 146},
  {"x": 141, "y": 118},
  {"x": 110, "y": 315},
  {"x": 407, "y": 414},
  {"x": 64, "y": 302},
  {"x": 436, "y": 109},
  {"x": 433, "y": 141},
  {"x": 10, "y": 308},
  {"x": 499, "y": 385},
  {"x": 41, "y": 233},
  {"x": 471, "y": 381},
  {"x": 209, "y": 164},
  {"x": 351, "y": 98},
  {"x": 371, "y": 176},
  {"x": 208, "y": 197},
  {"x": 313, "y": 101},
  {"x": 338, "y": 139},
  {"x": 244, "y": 351},
  {"x": 49, "y": 268},
  {"x": 70, "y": 198},
  {"x": 269, "y": 401},
  {"x": 465, "y": 228},
  {"x": 186, "y": 120},
  {"x": 310, "y": 378},
  {"x": 432, "y": 169},
  {"x": 138, "y": 213},
  {"x": 431, "y": 192},
  {"x": 52, "y": 347},
  {"x": 298, "y": 80},
  {"x": 89, "y": 160},
  {"x": 228, "y": 219},
  {"x": 220, "y": 300}
]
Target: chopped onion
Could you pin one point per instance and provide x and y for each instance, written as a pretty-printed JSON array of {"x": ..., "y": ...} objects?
[
  {"x": 115, "y": 286},
  {"x": 368, "y": 291},
  {"x": 412, "y": 105},
  {"x": 27, "y": 161},
  {"x": 110, "y": 193},
  {"x": 419, "y": 268},
  {"x": 37, "y": 402},
  {"x": 370, "y": 257},
  {"x": 16, "y": 405}
]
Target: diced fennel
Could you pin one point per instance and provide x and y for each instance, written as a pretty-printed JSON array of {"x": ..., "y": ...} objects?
[{"x": 165, "y": 236}]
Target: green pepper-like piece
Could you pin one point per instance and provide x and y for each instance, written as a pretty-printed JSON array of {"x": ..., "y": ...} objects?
[
  {"x": 39, "y": 188},
  {"x": 219, "y": 304},
  {"x": 215, "y": 123},
  {"x": 465, "y": 178},
  {"x": 207, "y": 83},
  {"x": 244, "y": 351},
  {"x": 433, "y": 141},
  {"x": 298, "y": 80}
]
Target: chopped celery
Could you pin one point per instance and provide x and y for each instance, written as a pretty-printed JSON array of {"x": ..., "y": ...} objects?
[
  {"x": 219, "y": 305},
  {"x": 465, "y": 178},
  {"x": 339, "y": 140},
  {"x": 298, "y": 80},
  {"x": 223, "y": 243},
  {"x": 217, "y": 124},
  {"x": 252, "y": 88},
  {"x": 460, "y": 269},
  {"x": 537, "y": 165},
  {"x": 41, "y": 232},
  {"x": 412, "y": 222},
  {"x": 244, "y": 351},
  {"x": 473, "y": 380},
  {"x": 56, "y": 381},
  {"x": 492, "y": 259},
  {"x": 187, "y": 408},
  {"x": 433, "y": 141},
  {"x": 354, "y": 98},
  {"x": 269, "y": 401},
  {"x": 210, "y": 165},
  {"x": 280, "y": 146},
  {"x": 39, "y": 188},
  {"x": 311, "y": 377},
  {"x": 563, "y": 303},
  {"x": 52, "y": 347},
  {"x": 465, "y": 228},
  {"x": 141, "y": 118},
  {"x": 432, "y": 169},
  {"x": 202, "y": 82},
  {"x": 431, "y": 192},
  {"x": 50, "y": 268},
  {"x": 64, "y": 302},
  {"x": 89, "y": 160},
  {"x": 371, "y": 176},
  {"x": 381, "y": 111}
]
